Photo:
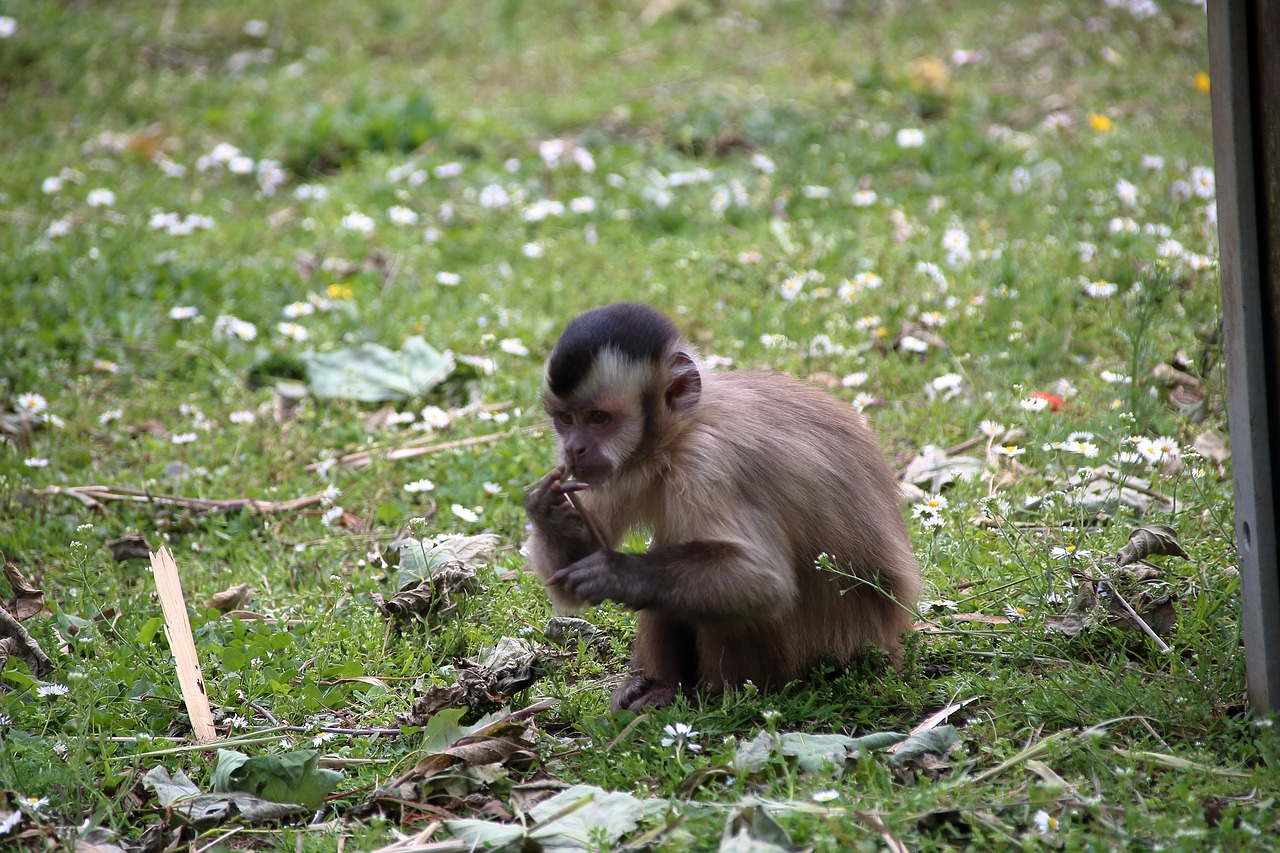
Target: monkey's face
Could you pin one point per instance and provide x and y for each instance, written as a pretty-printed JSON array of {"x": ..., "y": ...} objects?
[{"x": 598, "y": 437}]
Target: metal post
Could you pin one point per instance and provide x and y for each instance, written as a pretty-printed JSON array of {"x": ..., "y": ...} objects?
[{"x": 1244, "y": 72}]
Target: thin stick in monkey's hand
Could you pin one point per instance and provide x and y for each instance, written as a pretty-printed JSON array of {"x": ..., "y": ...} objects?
[{"x": 567, "y": 489}]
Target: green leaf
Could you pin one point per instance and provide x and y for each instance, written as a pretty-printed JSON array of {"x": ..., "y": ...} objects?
[
  {"x": 180, "y": 794},
  {"x": 148, "y": 632},
  {"x": 937, "y": 741},
  {"x": 291, "y": 777},
  {"x": 417, "y": 561},
  {"x": 372, "y": 373},
  {"x": 812, "y": 753}
]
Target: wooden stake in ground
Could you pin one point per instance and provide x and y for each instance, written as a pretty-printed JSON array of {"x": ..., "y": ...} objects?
[{"x": 178, "y": 629}]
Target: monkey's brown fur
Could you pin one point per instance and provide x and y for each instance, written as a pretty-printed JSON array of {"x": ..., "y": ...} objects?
[{"x": 742, "y": 488}]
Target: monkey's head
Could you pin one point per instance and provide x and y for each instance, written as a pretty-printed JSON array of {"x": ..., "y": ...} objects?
[{"x": 619, "y": 381}]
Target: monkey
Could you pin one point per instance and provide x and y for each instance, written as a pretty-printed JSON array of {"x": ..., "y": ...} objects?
[{"x": 743, "y": 479}]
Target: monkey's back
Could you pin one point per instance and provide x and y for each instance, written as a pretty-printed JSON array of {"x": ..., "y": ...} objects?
[{"x": 807, "y": 460}]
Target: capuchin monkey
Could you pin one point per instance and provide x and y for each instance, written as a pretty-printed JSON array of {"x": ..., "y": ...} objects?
[{"x": 744, "y": 479}]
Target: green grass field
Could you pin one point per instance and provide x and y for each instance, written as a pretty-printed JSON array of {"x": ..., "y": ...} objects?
[{"x": 989, "y": 226}]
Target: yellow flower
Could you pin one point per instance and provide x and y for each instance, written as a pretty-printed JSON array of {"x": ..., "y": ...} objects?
[
  {"x": 340, "y": 290},
  {"x": 1100, "y": 123},
  {"x": 1202, "y": 81}
]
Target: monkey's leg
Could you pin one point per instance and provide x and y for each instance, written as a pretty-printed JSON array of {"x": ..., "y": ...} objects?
[{"x": 663, "y": 658}]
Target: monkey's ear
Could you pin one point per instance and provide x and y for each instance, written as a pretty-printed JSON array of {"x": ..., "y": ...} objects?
[{"x": 685, "y": 387}]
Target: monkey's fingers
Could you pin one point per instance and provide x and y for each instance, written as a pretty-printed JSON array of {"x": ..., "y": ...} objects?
[{"x": 565, "y": 488}]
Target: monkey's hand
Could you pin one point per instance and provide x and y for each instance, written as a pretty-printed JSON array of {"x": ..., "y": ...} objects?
[
  {"x": 608, "y": 575},
  {"x": 549, "y": 509}
]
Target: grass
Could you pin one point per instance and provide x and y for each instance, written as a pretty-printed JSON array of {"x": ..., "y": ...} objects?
[{"x": 744, "y": 163}]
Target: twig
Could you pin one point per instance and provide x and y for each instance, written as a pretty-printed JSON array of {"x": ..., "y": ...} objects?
[
  {"x": 933, "y": 720},
  {"x": 591, "y": 525},
  {"x": 1138, "y": 620},
  {"x": 362, "y": 458},
  {"x": 873, "y": 820},
  {"x": 1128, "y": 483}
]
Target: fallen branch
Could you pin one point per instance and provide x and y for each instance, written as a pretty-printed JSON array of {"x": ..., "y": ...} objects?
[
  {"x": 96, "y": 496},
  {"x": 409, "y": 450}
]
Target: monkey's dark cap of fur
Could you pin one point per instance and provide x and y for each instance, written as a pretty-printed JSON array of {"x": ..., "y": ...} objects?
[{"x": 637, "y": 331}]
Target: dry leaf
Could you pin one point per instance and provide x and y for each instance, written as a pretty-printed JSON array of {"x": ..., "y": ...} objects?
[
  {"x": 1148, "y": 541},
  {"x": 27, "y": 601},
  {"x": 231, "y": 598},
  {"x": 133, "y": 546},
  {"x": 1210, "y": 445}
]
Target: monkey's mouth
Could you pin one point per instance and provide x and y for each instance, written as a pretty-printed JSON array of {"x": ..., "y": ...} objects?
[{"x": 592, "y": 475}]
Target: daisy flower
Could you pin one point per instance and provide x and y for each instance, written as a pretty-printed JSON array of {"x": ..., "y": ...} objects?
[
  {"x": 435, "y": 417},
  {"x": 991, "y": 429},
  {"x": 358, "y": 222},
  {"x": 909, "y": 137},
  {"x": 681, "y": 735},
  {"x": 1087, "y": 449},
  {"x": 464, "y": 513},
  {"x": 1127, "y": 193},
  {"x": 100, "y": 198},
  {"x": 513, "y": 346},
  {"x": 864, "y": 198},
  {"x": 31, "y": 404},
  {"x": 1202, "y": 181},
  {"x": 791, "y": 287},
  {"x": 402, "y": 216},
  {"x": 417, "y": 486},
  {"x": 929, "y": 505},
  {"x": 293, "y": 331}
]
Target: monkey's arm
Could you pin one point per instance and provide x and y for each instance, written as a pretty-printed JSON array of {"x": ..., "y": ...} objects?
[{"x": 703, "y": 579}]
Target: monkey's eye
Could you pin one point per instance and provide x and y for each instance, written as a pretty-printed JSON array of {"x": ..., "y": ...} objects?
[
  {"x": 598, "y": 417},
  {"x": 565, "y": 418}
]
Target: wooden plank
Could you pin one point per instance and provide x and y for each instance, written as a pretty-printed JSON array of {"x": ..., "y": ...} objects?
[
  {"x": 178, "y": 628},
  {"x": 1244, "y": 72}
]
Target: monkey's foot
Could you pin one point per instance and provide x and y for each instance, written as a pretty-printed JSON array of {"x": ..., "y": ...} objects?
[{"x": 640, "y": 692}]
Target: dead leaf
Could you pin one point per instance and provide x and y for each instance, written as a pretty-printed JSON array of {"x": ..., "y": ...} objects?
[
  {"x": 1149, "y": 541},
  {"x": 509, "y": 667},
  {"x": 132, "y": 546},
  {"x": 231, "y": 598},
  {"x": 436, "y": 597},
  {"x": 921, "y": 332},
  {"x": 1082, "y": 616},
  {"x": 932, "y": 469},
  {"x": 1167, "y": 374},
  {"x": 1209, "y": 444},
  {"x": 567, "y": 632},
  {"x": 27, "y": 601},
  {"x": 375, "y": 421},
  {"x": 527, "y": 795}
]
